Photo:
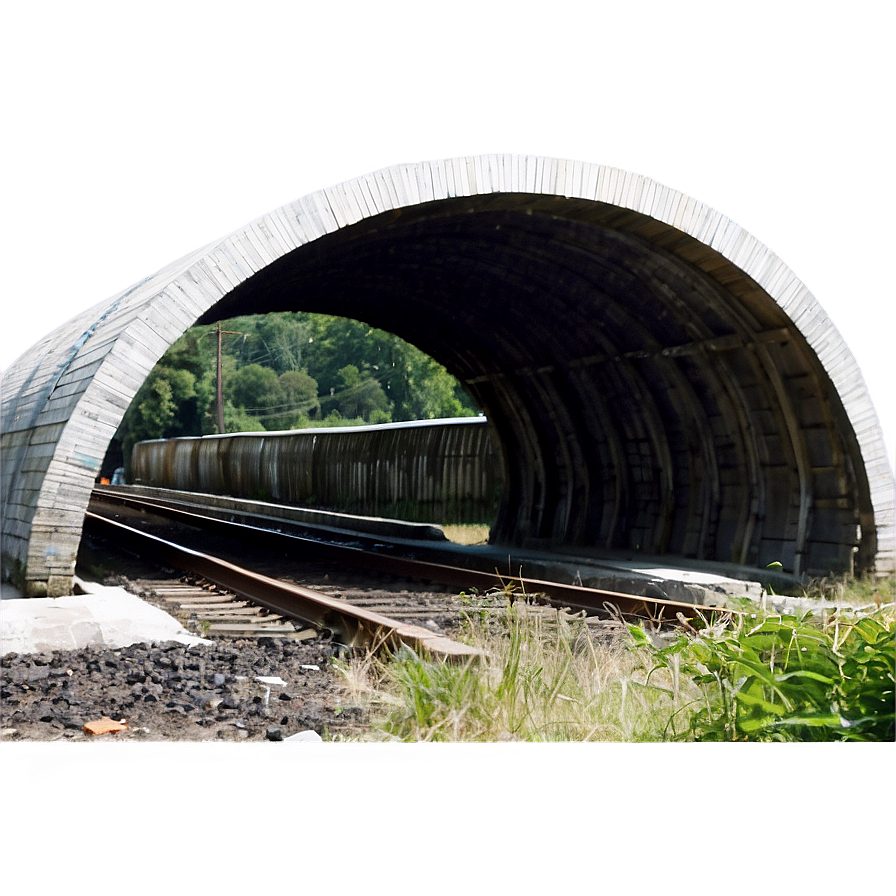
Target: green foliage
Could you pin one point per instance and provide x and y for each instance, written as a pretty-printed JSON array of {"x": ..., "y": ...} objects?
[
  {"x": 359, "y": 395},
  {"x": 547, "y": 675},
  {"x": 416, "y": 387},
  {"x": 434, "y": 698},
  {"x": 288, "y": 371},
  {"x": 255, "y": 388},
  {"x": 165, "y": 406},
  {"x": 299, "y": 392},
  {"x": 767, "y": 677},
  {"x": 281, "y": 341},
  {"x": 239, "y": 420}
]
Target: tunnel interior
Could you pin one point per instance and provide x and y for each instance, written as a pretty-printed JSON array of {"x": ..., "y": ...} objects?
[{"x": 646, "y": 394}]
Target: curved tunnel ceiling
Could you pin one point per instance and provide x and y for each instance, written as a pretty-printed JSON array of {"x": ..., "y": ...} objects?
[
  {"x": 657, "y": 379},
  {"x": 647, "y": 393}
]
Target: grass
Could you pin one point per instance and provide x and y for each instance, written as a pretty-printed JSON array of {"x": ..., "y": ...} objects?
[
  {"x": 550, "y": 675},
  {"x": 863, "y": 592},
  {"x": 819, "y": 675},
  {"x": 547, "y": 676}
]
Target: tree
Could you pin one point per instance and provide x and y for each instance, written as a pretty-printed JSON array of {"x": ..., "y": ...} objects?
[
  {"x": 237, "y": 420},
  {"x": 361, "y": 395},
  {"x": 300, "y": 391},
  {"x": 163, "y": 408},
  {"x": 416, "y": 386},
  {"x": 422, "y": 389},
  {"x": 438, "y": 396},
  {"x": 282, "y": 341},
  {"x": 256, "y": 389}
]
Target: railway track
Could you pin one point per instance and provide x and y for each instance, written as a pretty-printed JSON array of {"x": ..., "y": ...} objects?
[
  {"x": 353, "y": 625},
  {"x": 360, "y": 551},
  {"x": 217, "y": 611},
  {"x": 224, "y": 598}
]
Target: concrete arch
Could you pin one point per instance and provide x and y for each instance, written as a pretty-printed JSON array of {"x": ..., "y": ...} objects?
[{"x": 657, "y": 378}]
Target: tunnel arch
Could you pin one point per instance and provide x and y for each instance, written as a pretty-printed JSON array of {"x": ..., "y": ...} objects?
[{"x": 657, "y": 379}]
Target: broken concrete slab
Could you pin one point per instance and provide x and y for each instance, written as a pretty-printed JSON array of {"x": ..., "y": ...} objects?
[{"x": 100, "y": 616}]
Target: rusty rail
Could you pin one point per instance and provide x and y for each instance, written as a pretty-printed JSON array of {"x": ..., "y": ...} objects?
[
  {"x": 576, "y": 597},
  {"x": 354, "y": 626}
]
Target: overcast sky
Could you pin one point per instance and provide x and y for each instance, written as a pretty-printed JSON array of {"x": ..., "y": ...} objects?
[{"x": 135, "y": 134}]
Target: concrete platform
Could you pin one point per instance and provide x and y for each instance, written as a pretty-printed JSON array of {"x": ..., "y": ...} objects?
[
  {"x": 694, "y": 581},
  {"x": 100, "y": 616}
]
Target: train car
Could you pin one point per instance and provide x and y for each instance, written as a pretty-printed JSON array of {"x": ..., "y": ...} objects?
[{"x": 443, "y": 471}]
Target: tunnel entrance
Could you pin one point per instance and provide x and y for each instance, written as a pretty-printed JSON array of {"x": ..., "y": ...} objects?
[
  {"x": 648, "y": 395},
  {"x": 331, "y": 381},
  {"x": 657, "y": 379}
]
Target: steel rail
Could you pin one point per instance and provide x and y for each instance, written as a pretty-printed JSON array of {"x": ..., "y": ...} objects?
[
  {"x": 575, "y": 597},
  {"x": 354, "y": 626}
]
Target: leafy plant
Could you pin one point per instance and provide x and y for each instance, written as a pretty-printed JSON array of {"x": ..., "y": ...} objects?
[{"x": 783, "y": 677}]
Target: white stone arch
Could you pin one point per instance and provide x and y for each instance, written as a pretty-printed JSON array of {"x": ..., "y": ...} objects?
[{"x": 64, "y": 398}]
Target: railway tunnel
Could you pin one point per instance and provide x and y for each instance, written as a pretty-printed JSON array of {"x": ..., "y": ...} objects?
[{"x": 656, "y": 379}]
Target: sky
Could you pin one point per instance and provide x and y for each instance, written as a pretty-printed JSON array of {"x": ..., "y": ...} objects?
[{"x": 134, "y": 135}]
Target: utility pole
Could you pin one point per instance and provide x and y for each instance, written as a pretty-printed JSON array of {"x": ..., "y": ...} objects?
[
  {"x": 219, "y": 389},
  {"x": 219, "y": 378}
]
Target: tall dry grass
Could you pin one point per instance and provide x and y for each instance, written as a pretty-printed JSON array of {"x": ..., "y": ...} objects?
[{"x": 546, "y": 675}]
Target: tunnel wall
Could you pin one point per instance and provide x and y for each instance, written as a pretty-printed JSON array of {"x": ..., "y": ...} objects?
[{"x": 64, "y": 398}]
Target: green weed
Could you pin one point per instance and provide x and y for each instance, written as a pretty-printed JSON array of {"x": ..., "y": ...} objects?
[{"x": 781, "y": 677}]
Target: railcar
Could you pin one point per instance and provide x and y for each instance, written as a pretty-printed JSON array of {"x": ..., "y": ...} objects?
[{"x": 444, "y": 471}]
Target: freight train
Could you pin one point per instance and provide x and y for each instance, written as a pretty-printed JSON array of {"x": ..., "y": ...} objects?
[{"x": 442, "y": 471}]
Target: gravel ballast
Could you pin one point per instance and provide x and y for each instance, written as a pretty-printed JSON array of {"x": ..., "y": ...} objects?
[{"x": 168, "y": 691}]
